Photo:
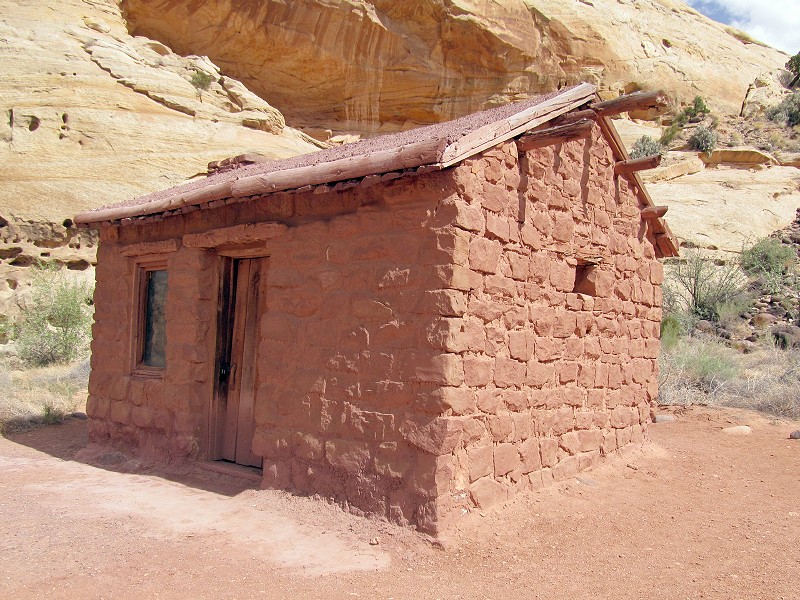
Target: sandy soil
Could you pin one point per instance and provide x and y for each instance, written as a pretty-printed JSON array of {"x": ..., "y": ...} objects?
[{"x": 696, "y": 514}]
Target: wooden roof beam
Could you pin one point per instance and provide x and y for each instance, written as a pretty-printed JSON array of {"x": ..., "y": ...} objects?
[
  {"x": 633, "y": 165},
  {"x": 635, "y": 101},
  {"x": 554, "y": 135},
  {"x": 653, "y": 212}
]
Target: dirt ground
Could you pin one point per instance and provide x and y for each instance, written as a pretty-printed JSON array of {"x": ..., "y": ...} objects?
[{"x": 697, "y": 513}]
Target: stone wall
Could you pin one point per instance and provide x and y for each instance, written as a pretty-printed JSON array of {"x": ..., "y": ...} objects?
[
  {"x": 559, "y": 319},
  {"x": 429, "y": 345}
]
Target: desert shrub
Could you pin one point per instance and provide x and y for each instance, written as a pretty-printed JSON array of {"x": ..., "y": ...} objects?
[
  {"x": 793, "y": 65},
  {"x": 703, "y": 140},
  {"x": 691, "y": 114},
  {"x": 672, "y": 330},
  {"x": 201, "y": 80},
  {"x": 701, "y": 289},
  {"x": 769, "y": 260},
  {"x": 694, "y": 368},
  {"x": 646, "y": 146},
  {"x": 55, "y": 327},
  {"x": 787, "y": 112}
]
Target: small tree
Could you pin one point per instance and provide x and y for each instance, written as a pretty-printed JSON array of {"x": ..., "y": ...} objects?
[
  {"x": 646, "y": 146},
  {"x": 201, "y": 81},
  {"x": 787, "y": 112},
  {"x": 56, "y": 325},
  {"x": 769, "y": 260},
  {"x": 793, "y": 65}
]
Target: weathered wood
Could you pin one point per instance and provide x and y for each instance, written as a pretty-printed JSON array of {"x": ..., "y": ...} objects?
[
  {"x": 629, "y": 102},
  {"x": 575, "y": 115},
  {"x": 555, "y": 135},
  {"x": 410, "y": 155},
  {"x": 142, "y": 248},
  {"x": 633, "y": 165},
  {"x": 666, "y": 244},
  {"x": 494, "y": 133},
  {"x": 247, "y": 233},
  {"x": 653, "y": 212}
]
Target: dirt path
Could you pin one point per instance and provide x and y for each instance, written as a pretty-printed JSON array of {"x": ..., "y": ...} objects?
[{"x": 697, "y": 514}]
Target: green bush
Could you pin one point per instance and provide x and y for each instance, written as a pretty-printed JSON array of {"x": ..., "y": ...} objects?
[
  {"x": 787, "y": 112},
  {"x": 646, "y": 146},
  {"x": 672, "y": 330},
  {"x": 703, "y": 140},
  {"x": 56, "y": 325},
  {"x": 793, "y": 64},
  {"x": 769, "y": 260},
  {"x": 703, "y": 290},
  {"x": 201, "y": 80},
  {"x": 692, "y": 113}
]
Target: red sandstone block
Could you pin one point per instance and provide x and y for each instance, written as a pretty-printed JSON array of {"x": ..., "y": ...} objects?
[
  {"x": 509, "y": 372},
  {"x": 481, "y": 462},
  {"x": 530, "y": 236},
  {"x": 447, "y": 303},
  {"x": 614, "y": 377},
  {"x": 515, "y": 400},
  {"x": 595, "y": 398},
  {"x": 563, "y": 227},
  {"x": 120, "y": 412},
  {"x": 348, "y": 456},
  {"x": 500, "y": 426},
  {"x": 588, "y": 460},
  {"x": 516, "y": 316},
  {"x": 586, "y": 374},
  {"x": 392, "y": 460},
  {"x": 446, "y": 334},
  {"x": 562, "y": 275},
  {"x": 620, "y": 417},
  {"x": 520, "y": 344},
  {"x": 543, "y": 319},
  {"x": 438, "y": 436},
  {"x": 486, "y": 492},
  {"x": 567, "y": 468},
  {"x": 590, "y": 440},
  {"x": 519, "y": 265},
  {"x": 656, "y": 273},
  {"x": 569, "y": 442},
  {"x": 568, "y": 372},
  {"x": 623, "y": 436},
  {"x": 499, "y": 284},
  {"x": 478, "y": 370},
  {"x": 583, "y": 420},
  {"x": 549, "y": 451},
  {"x": 538, "y": 374},
  {"x": 442, "y": 369},
  {"x": 142, "y": 416},
  {"x": 498, "y": 227},
  {"x": 496, "y": 197},
  {"x": 547, "y": 349},
  {"x": 563, "y": 420},
  {"x": 484, "y": 254},
  {"x": 489, "y": 401},
  {"x": 529, "y": 455},
  {"x": 506, "y": 459},
  {"x": 458, "y": 401},
  {"x": 97, "y": 406},
  {"x": 458, "y": 278},
  {"x": 539, "y": 270},
  {"x": 598, "y": 283},
  {"x": 542, "y": 222}
]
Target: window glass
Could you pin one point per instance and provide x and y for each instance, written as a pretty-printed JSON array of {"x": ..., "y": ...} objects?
[{"x": 155, "y": 319}]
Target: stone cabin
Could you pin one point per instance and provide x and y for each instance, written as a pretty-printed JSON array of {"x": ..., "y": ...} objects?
[{"x": 415, "y": 325}]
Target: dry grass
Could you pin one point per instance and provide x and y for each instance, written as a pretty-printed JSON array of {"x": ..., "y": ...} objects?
[
  {"x": 696, "y": 371},
  {"x": 40, "y": 396}
]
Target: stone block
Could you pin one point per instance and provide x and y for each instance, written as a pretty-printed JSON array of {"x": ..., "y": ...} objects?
[
  {"x": 509, "y": 372},
  {"x": 478, "y": 370},
  {"x": 590, "y": 440},
  {"x": 481, "y": 462},
  {"x": 486, "y": 492},
  {"x": 506, "y": 459},
  {"x": 520, "y": 344},
  {"x": 348, "y": 456},
  {"x": 549, "y": 450},
  {"x": 438, "y": 435},
  {"x": 529, "y": 455},
  {"x": 569, "y": 442}
]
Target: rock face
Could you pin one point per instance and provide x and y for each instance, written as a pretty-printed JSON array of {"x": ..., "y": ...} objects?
[
  {"x": 379, "y": 65},
  {"x": 91, "y": 115}
]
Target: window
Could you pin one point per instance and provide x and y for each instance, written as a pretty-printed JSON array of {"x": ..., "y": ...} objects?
[{"x": 152, "y": 319}]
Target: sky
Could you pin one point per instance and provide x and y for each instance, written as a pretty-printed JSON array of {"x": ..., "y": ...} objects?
[{"x": 774, "y": 22}]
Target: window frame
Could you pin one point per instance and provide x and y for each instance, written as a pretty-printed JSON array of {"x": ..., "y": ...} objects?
[{"x": 138, "y": 367}]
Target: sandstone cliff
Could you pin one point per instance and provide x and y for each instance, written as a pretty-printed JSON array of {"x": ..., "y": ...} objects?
[
  {"x": 379, "y": 65},
  {"x": 91, "y": 115}
]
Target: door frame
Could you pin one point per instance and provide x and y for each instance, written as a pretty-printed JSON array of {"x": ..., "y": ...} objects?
[{"x": 224, "y": 334}]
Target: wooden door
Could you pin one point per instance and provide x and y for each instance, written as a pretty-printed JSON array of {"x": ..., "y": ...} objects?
[{"x": 241, "y": 306}]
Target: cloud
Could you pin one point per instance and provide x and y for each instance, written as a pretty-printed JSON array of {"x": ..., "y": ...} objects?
[{"x": 776, "y": 22}]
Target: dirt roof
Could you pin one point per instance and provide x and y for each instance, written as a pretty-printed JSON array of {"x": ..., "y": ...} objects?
[{"x": 440, "y": 135}]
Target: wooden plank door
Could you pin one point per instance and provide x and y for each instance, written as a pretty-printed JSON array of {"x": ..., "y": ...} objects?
[{"x": 238, "y": 357}]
